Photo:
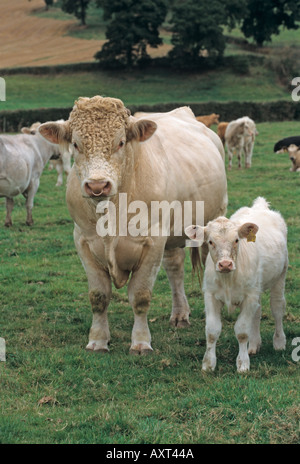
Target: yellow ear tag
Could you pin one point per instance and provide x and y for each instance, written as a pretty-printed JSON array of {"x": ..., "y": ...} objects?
[{"x": 251, "y": 237}]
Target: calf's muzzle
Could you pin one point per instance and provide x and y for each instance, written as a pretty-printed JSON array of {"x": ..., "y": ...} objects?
[{"x": 225, "y": 266}]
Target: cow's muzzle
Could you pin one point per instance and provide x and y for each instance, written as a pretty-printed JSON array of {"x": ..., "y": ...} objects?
[{"x": 98, "y": 188}]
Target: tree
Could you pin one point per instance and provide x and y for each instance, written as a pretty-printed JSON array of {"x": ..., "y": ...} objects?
[
  {"x": 133, "y": 26},
  {"x": 264, "y": 18},
  {"x": 76, "y": 7},
  {"x": 197, "y": 27}
]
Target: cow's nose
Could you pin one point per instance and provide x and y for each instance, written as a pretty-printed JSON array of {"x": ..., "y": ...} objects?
[
  {"x": 225, "y": 265},
  {"x": 97, "y": 188}
]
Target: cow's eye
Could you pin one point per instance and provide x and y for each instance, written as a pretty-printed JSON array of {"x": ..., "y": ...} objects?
[
  {"x": 75, "y": 146},
  {"x": 237, "y": 240},
  {"x": 121, "y": 144},
  {"x": 210, "y": 242}
]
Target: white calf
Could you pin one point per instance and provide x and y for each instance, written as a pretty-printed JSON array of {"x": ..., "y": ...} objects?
[{"x": 238, "y": 271}]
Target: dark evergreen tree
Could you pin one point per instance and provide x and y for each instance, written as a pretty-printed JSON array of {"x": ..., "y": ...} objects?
[
  {"x": 264, "y": 18},
  {"x": 197, "y": 27},
  {"x": 134, "y": 25},
  {"x": 76, "y": 7}
]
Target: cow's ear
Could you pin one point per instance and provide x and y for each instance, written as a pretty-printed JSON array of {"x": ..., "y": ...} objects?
[
  {"x": 248, "y": 231},
  {"x": 141, "y": 130},
  {"x": 196, "y": 233},
  {"x": 25, "y": 130},
  {"x": 56, "y": 132}
]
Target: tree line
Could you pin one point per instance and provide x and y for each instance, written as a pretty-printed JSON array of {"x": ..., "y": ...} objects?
[{"x": 196, "y": 26}]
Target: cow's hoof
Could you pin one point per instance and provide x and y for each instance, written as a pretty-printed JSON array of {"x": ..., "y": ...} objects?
[
  {"x": 96, "y": 347},
  {"x": 141, "y": 349},
  {"x": 29, "y": 223},
  {"x": 179, "y": 323},
  {"x": 8, "y": 224}
]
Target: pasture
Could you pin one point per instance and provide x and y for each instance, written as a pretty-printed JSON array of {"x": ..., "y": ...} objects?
[{"x": 53, "y": 391}]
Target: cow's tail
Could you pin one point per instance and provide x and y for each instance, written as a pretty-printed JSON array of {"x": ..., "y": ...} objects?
[{"x": 197, "y": 266}]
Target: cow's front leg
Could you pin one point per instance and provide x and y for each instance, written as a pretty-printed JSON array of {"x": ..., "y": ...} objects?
[
  {"x": 213, "y": 327},
  {"x": 173, "y": 263},
  {"x": 139, "y": 294},
  {"x": 99, "y": 295}
]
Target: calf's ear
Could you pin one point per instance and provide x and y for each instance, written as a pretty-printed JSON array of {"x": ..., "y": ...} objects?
[
  {"x": 248, "y": 231},
  {"x": 141, "y": 130},
  {"x": 55, "y": 132},
  {"x": 196, "y": 233}
]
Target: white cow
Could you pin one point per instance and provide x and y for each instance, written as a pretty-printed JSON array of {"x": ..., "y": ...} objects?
[
  {"x": 238, "y": 271},
  {"x": 22, "y": 160},
  {"x": 240, "y": 136},
  {"x": 62, "y": 161},
  {"x": 165, "y": 158}
]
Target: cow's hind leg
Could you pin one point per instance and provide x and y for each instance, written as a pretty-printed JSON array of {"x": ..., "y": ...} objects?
[
  {"x": 99, "y": 295},
  {"x": 278, "y": 305},
  {"x": 29, "y": 195},
  {"x": 173, "y": 263},
  {"x": 9, "y": 208}
]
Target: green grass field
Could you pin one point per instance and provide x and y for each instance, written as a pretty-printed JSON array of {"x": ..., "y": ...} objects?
[
  {"x": 25, "y": 91},
  {"x": 53, "y": 391}
]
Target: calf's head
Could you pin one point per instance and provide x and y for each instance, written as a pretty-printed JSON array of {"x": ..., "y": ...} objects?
[
  {"x": 102, "y": 135},
  {"x": 223, "y": 237}
]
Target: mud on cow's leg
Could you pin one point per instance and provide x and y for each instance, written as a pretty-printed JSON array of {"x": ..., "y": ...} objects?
[
  {"x": 99, "y": 336},
  {"x": 173, "y": 263}
]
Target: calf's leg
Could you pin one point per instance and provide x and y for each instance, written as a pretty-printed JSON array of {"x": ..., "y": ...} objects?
[
  {"x": 173, "y": 262},
  {"x": 213, "y": 328},
  {"x": 278, "y": 305},
  {"x": 243, "y": 327}
]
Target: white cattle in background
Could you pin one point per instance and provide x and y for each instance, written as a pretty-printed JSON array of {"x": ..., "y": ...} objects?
[
  {"x": 240, "y": 137},
  {"x": 60, "y": 162},
  {"x": 22, "y": 160}
]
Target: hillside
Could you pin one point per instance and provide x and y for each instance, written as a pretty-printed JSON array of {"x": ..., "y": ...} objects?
[{"x": 27, "y": 40}]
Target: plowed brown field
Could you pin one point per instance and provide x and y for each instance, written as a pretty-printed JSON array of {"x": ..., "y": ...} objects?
[{"x": 26, "y": 40}]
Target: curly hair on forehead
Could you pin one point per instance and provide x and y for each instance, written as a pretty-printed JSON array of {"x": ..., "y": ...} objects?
[{"x": 100, "y": 105}]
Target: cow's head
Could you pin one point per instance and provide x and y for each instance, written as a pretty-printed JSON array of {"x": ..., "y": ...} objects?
[
  {"x": 101, "y": 135},
  {"x": 294, "y": 154},
  {"x": 32, "y": 130},
  {"x": 223, "y": 237}
]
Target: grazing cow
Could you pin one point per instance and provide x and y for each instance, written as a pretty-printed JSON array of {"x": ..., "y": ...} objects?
[
  {"x": 294, "y": 154},
  {"x": 221, "y": 131},
  {"x": 61, "y": 161},
  {"x": 283, "y": 144},
  {"x": 209, "y": 119},
  {"x": 165, "y": 157},
  {"x": 238, "y": 272},
  {"x": 22, "y": 160},
  {"x": 240, "y": 136}
]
